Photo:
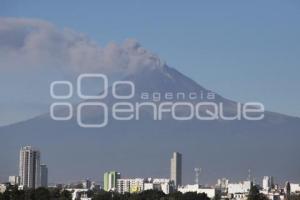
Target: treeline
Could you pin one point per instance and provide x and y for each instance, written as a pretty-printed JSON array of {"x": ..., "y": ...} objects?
[
  {"x": 294, "y": 197},
  {"x": 12, "y": 193},
  {"x": 150, "y": 195}
]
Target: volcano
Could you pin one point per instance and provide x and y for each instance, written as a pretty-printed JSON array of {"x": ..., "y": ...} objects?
[{"x": 142, "y": 148}]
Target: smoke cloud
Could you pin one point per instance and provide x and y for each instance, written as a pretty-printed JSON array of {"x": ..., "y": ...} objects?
[{"x": 32, "y": 43}]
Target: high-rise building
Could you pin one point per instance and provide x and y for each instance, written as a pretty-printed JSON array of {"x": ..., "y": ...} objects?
[
  {"x": 44, "y": 175},
  {"x": 29, "y": 167},
  {"x": 110, "y": 180},
  {"x": 176, "y": 169},
  {"x": 268, "y": 183}
]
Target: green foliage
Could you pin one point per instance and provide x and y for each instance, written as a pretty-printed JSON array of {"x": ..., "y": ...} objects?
[
  {"x": 12, "y": 193},
  {"x": 255, "y": 195},
  {"x": 294, "y": 197},
  {"x": 65, "y": 195},
  {"x": 149, "y": 195},
  {"x": 42, "y": 194}
]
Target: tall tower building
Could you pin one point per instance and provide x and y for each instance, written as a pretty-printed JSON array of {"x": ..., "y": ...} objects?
[
  {"x": 268, "y": 183},
  {"x": 44, "y": 176},
  {"x": 176, "y": 169},
  {"x": 29, "y": 167},
  {"x": 110, "y": 180}
]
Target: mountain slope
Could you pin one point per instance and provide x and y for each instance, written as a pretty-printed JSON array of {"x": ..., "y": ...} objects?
[{"x": 143, "y": 148}]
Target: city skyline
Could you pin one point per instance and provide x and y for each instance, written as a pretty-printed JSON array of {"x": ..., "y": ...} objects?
[{"x": 31, "y": 177}]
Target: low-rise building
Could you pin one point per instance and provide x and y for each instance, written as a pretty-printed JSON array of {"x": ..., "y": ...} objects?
[
  {"x": 79, "y": 194},
  {"x": 295, "y": 188},
  {"x": 210, "y": 192},
  {"x": 130, "y": 185},
  {"x": 164, "y": 185},
  {"x": 239, "y": 188},
  {"x": 14, "y": 180},
  {"x": 3, "y": 187},
  {"x": 86, "y": 184}
]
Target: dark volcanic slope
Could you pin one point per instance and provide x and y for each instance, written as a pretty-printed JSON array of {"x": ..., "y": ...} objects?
[{"x": 143, "y": 148}]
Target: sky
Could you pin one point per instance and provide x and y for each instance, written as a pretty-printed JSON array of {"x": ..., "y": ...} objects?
[{"x": 245, "y": 51}]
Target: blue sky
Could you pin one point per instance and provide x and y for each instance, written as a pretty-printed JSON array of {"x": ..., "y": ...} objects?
[{"x": 246, "y": 51}]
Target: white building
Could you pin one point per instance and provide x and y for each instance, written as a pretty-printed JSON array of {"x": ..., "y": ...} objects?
[
  {"x": 29, "y": 167},
  {"x": 86, "y": 184},
  {"x": 210, "y": 192},
  {"x": 130, "y": 185},
  {"x": 3, "y": 188},
  {"x": 239, "y": 188},
  {"x": 239, "y": 196},
  {"x": 222, "y": 185},
  {"x": 295, "y": 188},
  {"x": 79, "y": 194},
  {"x": 267, "y": 183},
  {"x": 164, "y": 185},
  {"x": 14, "y": 180},
  {"x": 275, "y": 196}
]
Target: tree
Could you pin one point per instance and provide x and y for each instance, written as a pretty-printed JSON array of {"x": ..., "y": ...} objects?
[
  {"x": 12, "y": 193},
  {"x": 42, "y": 194},
  {"x": 65, "y": 195},
  {"x": 175, "y": 196},
  {"x": 102, "y": 196},
  {"x": 255, "y": 195},
  {"x": 151, "y": 194},
  {"x": 29, "y": 194},
  {"x": 54, "y": 193},
  {"x": 294, "y": 197}
]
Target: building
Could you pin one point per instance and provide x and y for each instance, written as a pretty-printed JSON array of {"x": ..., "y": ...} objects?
[
  {"x": 239, "y": 196},
  {"x": 110, "y": 180},
  {"x": 164, "y": 185},
  {"x": 86, "y": 184},
  {"x": 29, "y": 167},
  {"x": 44, "y": 175},
  {"x": 176, "y": 169},
  {"x": 268, "y": 183},
  {"x": 3, "y": 188},
  {"x": 79, "y": 194},
  {"x": 295, "y": 188},
  {"x": 210, "y": 192},
  {"x": 222, "y": 185},
  {"x": 130, "y": 185},
  {"x": 239, "y": 188},
  {"x": 14, "y": 180},
  {"x": 123, "y": 185},
  {"x": 95, "y": 186}
]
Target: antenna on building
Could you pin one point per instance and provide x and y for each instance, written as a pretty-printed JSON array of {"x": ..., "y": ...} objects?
[
  {"x": 197, "y": 174},
  {"x": 249, "y": 174}
]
